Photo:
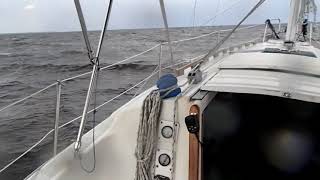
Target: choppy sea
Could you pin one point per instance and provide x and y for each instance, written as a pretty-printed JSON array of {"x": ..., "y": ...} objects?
[{"x": 31, "y": 61}]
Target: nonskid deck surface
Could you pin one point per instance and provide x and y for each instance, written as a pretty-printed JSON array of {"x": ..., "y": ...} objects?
[{"x": 261, "y": 137}]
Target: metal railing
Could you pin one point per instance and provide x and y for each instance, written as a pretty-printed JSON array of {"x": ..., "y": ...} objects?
[
  {"x": 58, "y": 85},
  {"x": 266, "y": 28},
  {"x": 311, "y": 30}
]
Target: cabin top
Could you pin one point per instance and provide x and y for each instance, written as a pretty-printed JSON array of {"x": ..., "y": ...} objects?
[{"x": 273, "y": 71}]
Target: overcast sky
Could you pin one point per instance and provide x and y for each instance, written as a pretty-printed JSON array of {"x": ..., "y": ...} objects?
[{"x": 59, "y": 15}]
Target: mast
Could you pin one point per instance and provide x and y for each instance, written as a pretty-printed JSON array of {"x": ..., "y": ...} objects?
[
  {"x": 299, "y": 11},
  {"x": 296, "y": 7}
]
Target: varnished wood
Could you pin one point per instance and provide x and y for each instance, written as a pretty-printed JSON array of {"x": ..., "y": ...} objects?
[
  {"x": 194, "y": 150},
  {"x": 193, "y": 157}
]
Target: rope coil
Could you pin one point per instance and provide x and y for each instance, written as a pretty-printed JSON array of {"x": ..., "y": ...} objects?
[
  {"x": 111, "y": 100},
  {"x": 77, "y": 118},
  {"x": 147, "y": 135}
]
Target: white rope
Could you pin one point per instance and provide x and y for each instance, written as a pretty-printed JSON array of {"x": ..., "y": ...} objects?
[
  {"x": 17, "y": 102},
  {"x": 36, "y": 144},
  {"x": 114, "y": 64},
  {"x": 221, "y": 12},
  {"x": 117, "y": 63},
  {"x": 109, "y": 101},
  {"x": 170, "y": 66},
  {"x": 217, "y": 46},
  {"x": 145, "y": 82},
  {"x": 147, "y": 132},
  {"x": 77, "y": 118},
  {"x": 98, "y": 107},
  {"x": 214, "y": 32},
  {"x": 78, "y": 76},
  {"x": 147, "y": 135}
]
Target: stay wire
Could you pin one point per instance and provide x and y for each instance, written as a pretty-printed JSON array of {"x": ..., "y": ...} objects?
[
  {"x": 93, "y": 126},
  {"x": 217, "y": 46},
  {"x": 217, "y": 10},
  {"x": 194, "y": 13},
  {"x": 222, "y": 12}
]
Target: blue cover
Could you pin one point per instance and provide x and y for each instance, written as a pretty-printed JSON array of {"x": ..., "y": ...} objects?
[{"x": 167, "y": 81}]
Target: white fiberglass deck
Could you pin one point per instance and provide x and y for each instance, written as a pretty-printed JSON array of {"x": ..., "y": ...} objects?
[
  {"x": 284, "y": 75},
  {"x": 272, "y": 61},
  {"x": 265, "y": 82}
]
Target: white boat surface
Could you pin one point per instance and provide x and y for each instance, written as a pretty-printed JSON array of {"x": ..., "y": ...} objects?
[{"x": 281, "y": 74}]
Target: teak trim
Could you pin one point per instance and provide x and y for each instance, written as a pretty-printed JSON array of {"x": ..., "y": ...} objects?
[{"x": 194, "y": 149}]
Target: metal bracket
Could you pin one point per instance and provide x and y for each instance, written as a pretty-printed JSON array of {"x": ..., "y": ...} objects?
[{"x": 195, "y": 76}]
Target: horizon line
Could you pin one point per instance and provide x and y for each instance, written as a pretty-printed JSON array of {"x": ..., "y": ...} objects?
[{"x": 138, "y": 28}]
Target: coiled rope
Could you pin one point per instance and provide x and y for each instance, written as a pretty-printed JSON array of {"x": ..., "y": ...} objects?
[
  {"x": 147, "y": 135},
  {"x": 77, "y": 118},
  {"x": 107, "y": 102}
]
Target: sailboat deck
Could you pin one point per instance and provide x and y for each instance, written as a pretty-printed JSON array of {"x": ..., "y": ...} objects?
[
  {"x": 276, "y": 74},
  {"x": 265, "y": 82},
  {"x": 273, "y": 61}
]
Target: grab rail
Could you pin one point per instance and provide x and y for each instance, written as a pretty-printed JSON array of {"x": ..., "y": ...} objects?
[{"x": 59, "y": 83}]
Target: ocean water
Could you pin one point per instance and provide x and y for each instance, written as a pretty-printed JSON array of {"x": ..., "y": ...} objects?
[{"x": 29, "y": 62}]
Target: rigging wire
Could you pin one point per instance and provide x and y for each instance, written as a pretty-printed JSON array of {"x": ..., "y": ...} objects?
[
  {"x": 98, "y": 107},
  {"x": 93, "y": 77},
  {"x": 212, "y": 51},
  {"x": 117, "y": 63},
  {"x": 165, "y": 22},
  {"x": 212, "y": 19},
  {"x": 93, "y": 128},
  {"x": 222, "y": 12},
  {"x": 92, "y": 86},
  {"x": 217, "y": 10},
  {"x": 84, "y": 30},
  {"x": 194, "y": 13},
  {"x": 143, "y": 85}
]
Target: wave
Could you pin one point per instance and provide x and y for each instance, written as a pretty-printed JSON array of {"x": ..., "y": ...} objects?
[
  {"x": 21, "y": 55},
  {"x": 13, "y": 86},
  {"x": 72, "y": 52},
  {"x": 48, "y": 67},
  {"x": 11, "y": 83},
  {"x": 9, "y": 96},
  {"x": 75, "y": 69},
  {"x": 5, "y": 54},
  {"x": 18, "y": 38},
  {"x": 20, "y": 43},
  {"x": 135, "y": 66}
]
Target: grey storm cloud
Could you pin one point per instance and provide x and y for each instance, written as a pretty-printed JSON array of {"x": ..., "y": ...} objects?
[{"x": 60, "y": 15}]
